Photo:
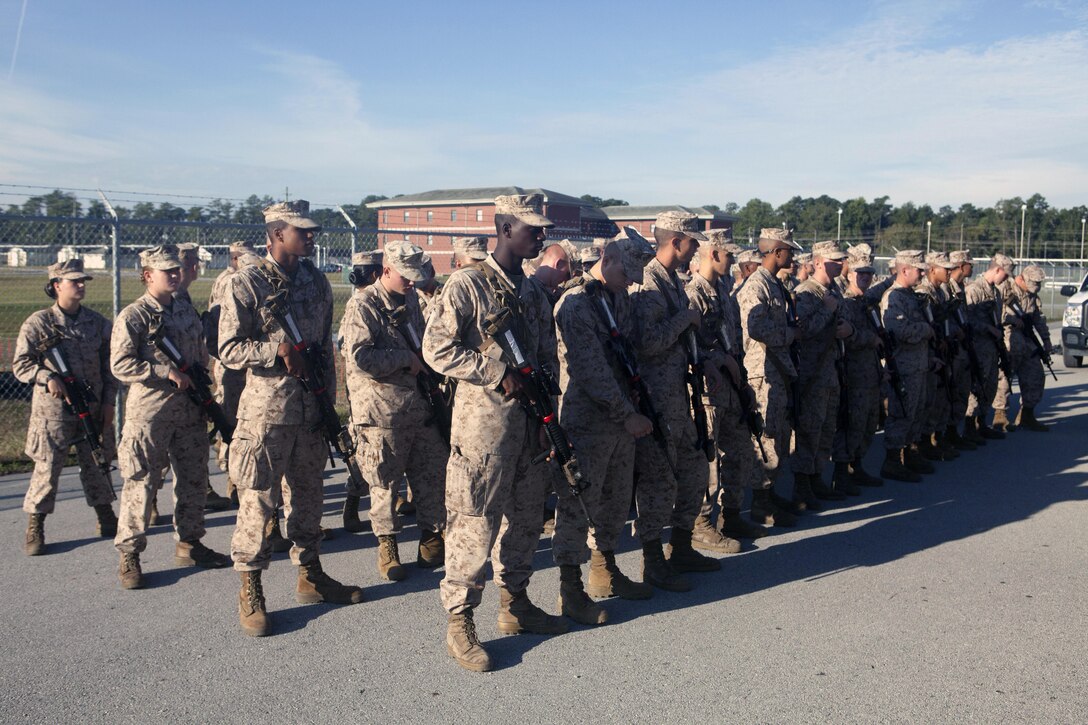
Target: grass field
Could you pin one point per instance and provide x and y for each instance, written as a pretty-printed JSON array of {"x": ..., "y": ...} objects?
[{"x": 22, "y": 293}]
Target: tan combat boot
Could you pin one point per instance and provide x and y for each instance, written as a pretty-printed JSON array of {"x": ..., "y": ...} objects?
[
  {"x": 107, "y": 521},
  {"x": 35, "y": 535},
  {"x": 862, "y": 477},
  {"x": 707, "y": 538},
  {"x": 606, "y": 579},
  {"x": 573, "y": 600},
  {"x": 658, "y": 572},
  {"x": 842, "y": 481},
  {"x": 733, "y": 525},
  {"x": 803, "y": 496},
  {"x": 915, "y": 461},
  {"x": 1001, "y": 421},
  {"x": 971, "y": 431},
  {"x": 252, "y": 615},
  {"x": 389, "y": 559},
  {"x": 959, "y": 442},
  {"x": 764, "y": 510},
  {"x": 987, "y": 432},
  {"x": 894, "y": 469},
  {"x": 315, "y": 586},
  {"x": 196, "y": 554},
  {"x": 926, "y": 448},
  {"x": 684, "y": 558},
  {"x": 132, "y": 577},
  {"x": 463, "y": 645},
  {"x": 517, "y": 614},
  {"x": 432, "y": 550},
  {"x": 1026, "y": 419},
  {"x": 352, "y": 524}
]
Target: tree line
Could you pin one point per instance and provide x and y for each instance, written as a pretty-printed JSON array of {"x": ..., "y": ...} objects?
[{"x": 1047, "y": 230}]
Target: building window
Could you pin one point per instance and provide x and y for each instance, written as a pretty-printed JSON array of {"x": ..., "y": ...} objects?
[
  {"x": 405, "y": 216},
  {"x": 430, "y": 216},
  {"x": 453, "y": 215},
  {"x": 430, "y": 240},
  {"x": 479, "y": 215}
]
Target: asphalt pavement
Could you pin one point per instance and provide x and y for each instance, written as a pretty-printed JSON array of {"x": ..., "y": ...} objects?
[{"x": 960, "y": 599}]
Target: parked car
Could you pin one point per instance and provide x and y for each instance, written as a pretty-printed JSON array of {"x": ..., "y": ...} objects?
[{"x": 1075, "y": 324}]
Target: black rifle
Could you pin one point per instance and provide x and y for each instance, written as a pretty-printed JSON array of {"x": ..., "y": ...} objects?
[
  {"x": 427, "y": 380},
  {"x": 78, "y": 397},
  {"x": 750, "y": 414},
  {"x": 841, "y": 371},
  {"x": 313, "y": 379},
  {"x": 887, "y": 338},
  {"x": 200, "y": 387},
  {"x": 939, "y": 345},
  {"x": 1004, "y": 360},
  {"x": 625, "y": 355},
  {"x": 697, "y": 390},
  {"x": 974, "y": 365},
  {"x": 795, "y": 358},
  {"x": 536, "y": 397},
  {"x": 1032, "y": 335}
]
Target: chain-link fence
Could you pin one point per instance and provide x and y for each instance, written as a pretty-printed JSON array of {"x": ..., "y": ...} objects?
[{"x": 28, "y": 245}]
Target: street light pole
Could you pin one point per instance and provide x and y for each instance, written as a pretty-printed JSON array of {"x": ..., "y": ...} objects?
[
  {"x": 1023, "y": 214},
  {"x": 1082, "y": 220},
  {"x": 929, "y": 234},
  {"x": 838, "y": 235}
]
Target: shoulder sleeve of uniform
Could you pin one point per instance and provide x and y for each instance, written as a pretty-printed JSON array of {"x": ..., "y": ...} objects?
[{"x": 445, "y": 347}]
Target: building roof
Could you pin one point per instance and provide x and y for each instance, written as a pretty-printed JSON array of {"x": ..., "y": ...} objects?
[
  {"x": 477, "y": 195},
  {"x": 630, "y": 213}
]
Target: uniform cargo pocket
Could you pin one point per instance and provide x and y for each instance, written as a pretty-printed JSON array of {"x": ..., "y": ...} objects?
[
  {"x": 471, "y": 484},
  {"x": 40, "y": 446},
  {"x": 132, "y": 459},
  {"x": 248, "y": 464}
]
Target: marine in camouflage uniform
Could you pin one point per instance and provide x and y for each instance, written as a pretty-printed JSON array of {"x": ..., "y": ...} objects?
[
  {"x": 983, "y": 311},
  {"x": 904, "y": 319},
  {"x": 962, "y": 375},
  {"x": 765, "y": 317},
  {"x": 228, "y": 383},
  {"x": 864, "y": 376},
  {"x": 934, "y": 290},
  {"x": 665, "y": 326},
  {"x": 382, "y": 328},
  {"x": 163, "y": 426},
  {"x": 735, "y": 468},
  {"x": 1024, "y": 356},
  {"x": 84, "y": 341},
  {"x": 821, "y": 329},
  {"x": 494, "y": 495},
  {"x": 600, "y": 415},
  {"x": 277, "y": 438}
]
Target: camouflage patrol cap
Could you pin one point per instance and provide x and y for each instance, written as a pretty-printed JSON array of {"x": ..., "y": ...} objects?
[
  {"x": 722, "y": 239},
  {"x": 630, "y": 232},
  {"x": 803, "y": 259},
  {"x": 772, "y": 238},
  {"x": 247, "y": 259},
  {"x": 940, "y": 259},
  {"x": 568, "y": 247},
  {"x": 241, "y": 247},
  {"x": 911, "y": 258},
  {"x": 471, "y": 247},
  {"x": 636, "y": 253},
  {"x": 406, "y": 259},
  {"x": 528, "y": 208},
  {"x": 961, "y": 256},
  {"x": 296, "y": 213},
  {"x": 828, "y": 250},
  {"x": 164, "y": 256},
  {"x": 1004, "y": 262},
  {"x": 860, "y": 258},
  {"x": 367, "y": 258},
  {"x": 749, "y": 256},
  {"x": 188, "y": 249},
  {"x": 69, "y": 269},
  {"x": 589, "y": 256},
  {"x": 682, "y": 222},
  {"x": 1033, "y": 273}
]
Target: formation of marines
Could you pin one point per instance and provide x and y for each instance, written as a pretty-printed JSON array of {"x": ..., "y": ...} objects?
[{"x": 601, "y": 375}]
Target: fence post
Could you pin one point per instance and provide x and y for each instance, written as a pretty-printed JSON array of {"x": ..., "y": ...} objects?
[{"x": 115, "y": 241}]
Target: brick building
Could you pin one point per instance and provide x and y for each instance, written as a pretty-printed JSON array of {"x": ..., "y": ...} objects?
[
  {"x": 433, "y": 219},
  {"x": 642, "y": 217}
]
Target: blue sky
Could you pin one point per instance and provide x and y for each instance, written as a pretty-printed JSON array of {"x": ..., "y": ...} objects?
[{"x": 684, "y": 102}]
